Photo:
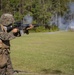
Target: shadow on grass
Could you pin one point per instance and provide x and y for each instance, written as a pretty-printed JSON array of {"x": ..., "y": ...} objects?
[
  {"x": 49, "y": 71},
  {"x": 42, "y": 72}
]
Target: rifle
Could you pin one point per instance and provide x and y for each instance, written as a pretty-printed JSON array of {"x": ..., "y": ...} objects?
[{"x": 20, "y": 26}]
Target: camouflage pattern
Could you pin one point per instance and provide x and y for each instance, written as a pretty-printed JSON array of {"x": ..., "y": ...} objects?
[
  {"x": 6, "y": 19},
  {"x": 6, "y": 36},
  {"x": 5, "y": 61}
]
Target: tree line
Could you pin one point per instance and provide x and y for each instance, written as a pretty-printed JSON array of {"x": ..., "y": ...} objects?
[{"x": 41, "y": 10}]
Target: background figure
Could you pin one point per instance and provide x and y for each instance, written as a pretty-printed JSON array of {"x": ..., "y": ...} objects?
[
  {"x": 27, "y": 22},
  {"x": 5, "y": 61}
]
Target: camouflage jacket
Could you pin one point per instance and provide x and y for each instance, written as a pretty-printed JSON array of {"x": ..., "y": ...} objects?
[
  {"x": 5, "y": 47},
  {"x": 6, "y": 36}
]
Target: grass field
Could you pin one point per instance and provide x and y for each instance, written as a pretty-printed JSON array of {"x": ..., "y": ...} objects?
[{"x": 44, "y": 53}]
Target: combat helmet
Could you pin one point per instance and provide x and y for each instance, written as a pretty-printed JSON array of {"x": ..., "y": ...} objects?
[{"x": 6, "y": 19}]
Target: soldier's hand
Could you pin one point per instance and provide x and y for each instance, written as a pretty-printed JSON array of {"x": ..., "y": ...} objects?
[
  {"x": 30, "y": 27},
  {"x": 15, "y": 30}
]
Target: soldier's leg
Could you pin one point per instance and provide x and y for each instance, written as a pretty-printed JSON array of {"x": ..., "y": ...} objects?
[
  {"x": 3, "y": 71},
  {"x": 10, "y": 70}
]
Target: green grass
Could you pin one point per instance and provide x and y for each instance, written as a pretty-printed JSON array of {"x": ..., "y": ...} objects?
[{"x": 45, "y": 53}]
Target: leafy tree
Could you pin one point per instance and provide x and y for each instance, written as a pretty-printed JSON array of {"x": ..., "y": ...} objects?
[{"x": 41, "y": 10}]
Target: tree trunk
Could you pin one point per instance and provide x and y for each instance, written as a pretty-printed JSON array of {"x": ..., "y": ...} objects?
[
  {"x": 21, "y": 7},
  {"x": 0, "y": 4}
]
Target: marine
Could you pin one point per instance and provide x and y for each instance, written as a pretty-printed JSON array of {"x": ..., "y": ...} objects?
[{"x": 5, "y": 60}]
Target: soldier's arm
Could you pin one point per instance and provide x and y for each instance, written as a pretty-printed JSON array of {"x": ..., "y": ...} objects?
[
  {"x": 11, "y": 34},
  {"x": 8, "y": 36}
]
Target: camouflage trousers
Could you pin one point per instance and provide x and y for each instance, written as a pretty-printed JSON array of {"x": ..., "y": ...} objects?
[{"x": 6, "y": 68}]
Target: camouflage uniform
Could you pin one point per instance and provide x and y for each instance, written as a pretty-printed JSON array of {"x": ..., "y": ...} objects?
[{"x": 5, "y": 62}]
